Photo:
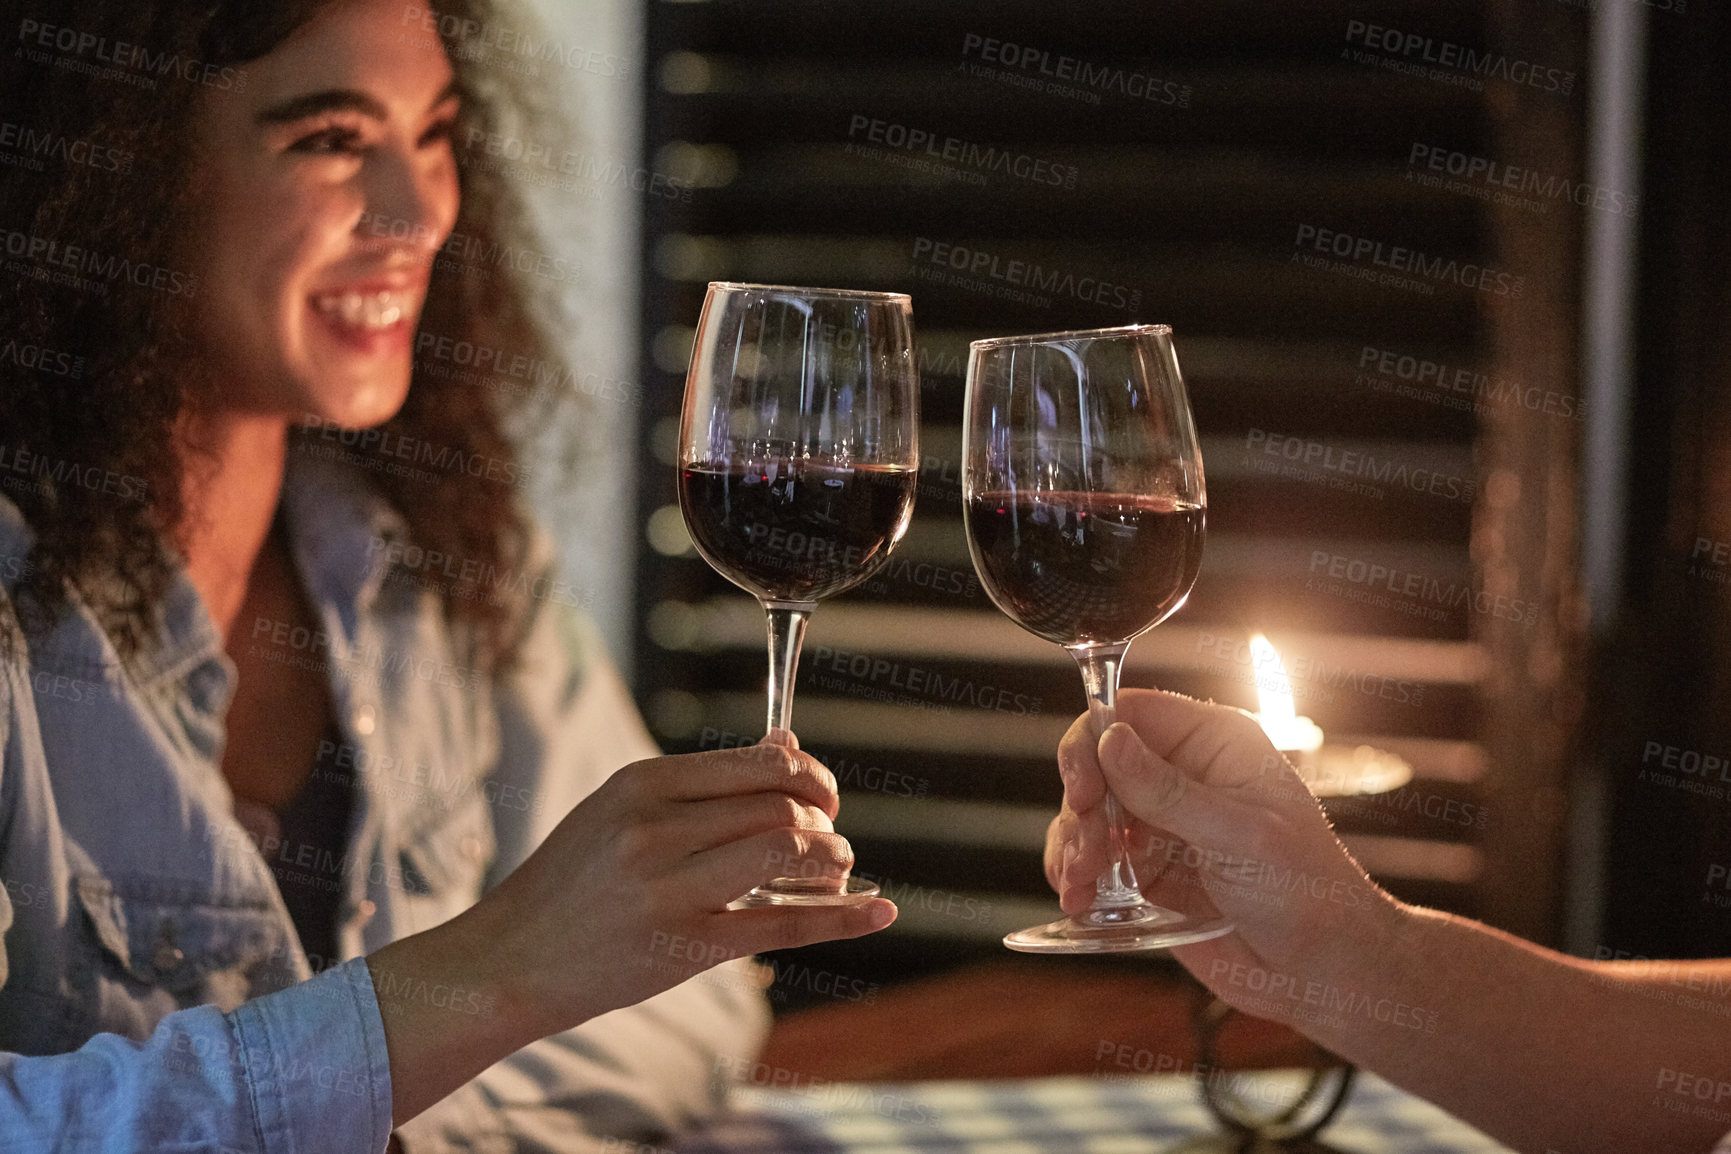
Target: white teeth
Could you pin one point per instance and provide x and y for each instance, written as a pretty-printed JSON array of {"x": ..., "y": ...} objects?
[{"x": 378, "y": 310}]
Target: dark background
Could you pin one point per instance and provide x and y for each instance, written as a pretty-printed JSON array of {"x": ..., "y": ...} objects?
[{"x": 1191, "y": 206}]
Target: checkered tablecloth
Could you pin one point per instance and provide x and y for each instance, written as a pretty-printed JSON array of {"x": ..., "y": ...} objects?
[{"x": 1072, "y": 1115}]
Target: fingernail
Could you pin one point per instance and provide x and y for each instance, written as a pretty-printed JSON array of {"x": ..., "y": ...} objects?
[
  {"x": 882, "y": 914},
  {"x": 1106, "y": 749},
  {"x": 1127, "y": 751},
  {"x": 777, "y": 737}
]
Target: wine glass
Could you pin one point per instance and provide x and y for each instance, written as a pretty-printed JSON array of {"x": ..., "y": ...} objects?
[
  {"x": 798, "y": 458},
  {"x": 1082, "y": 486}
]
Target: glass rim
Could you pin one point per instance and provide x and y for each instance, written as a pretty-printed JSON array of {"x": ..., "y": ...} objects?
[
  {"x": 828, "y": 293},
  {"x": 1070, "y": 335}
]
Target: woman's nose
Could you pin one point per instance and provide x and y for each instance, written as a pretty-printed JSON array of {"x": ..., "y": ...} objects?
[{"x": 414, "y": 194}]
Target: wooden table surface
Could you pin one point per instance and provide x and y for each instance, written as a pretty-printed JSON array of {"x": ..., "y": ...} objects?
[{"x": 1020, "y": 1018}]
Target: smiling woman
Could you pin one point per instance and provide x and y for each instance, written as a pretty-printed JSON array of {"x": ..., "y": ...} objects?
[
  {"x": 310, "y": 841},
  {"x": 267, "y": 223},
  {"x": 315, "y": 318}
]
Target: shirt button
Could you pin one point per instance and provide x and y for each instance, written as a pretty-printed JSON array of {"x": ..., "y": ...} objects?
[
  {"x": 471, "y": 846},
  {"x": 366, "y": 910},
  {"x": 364, "y": 715},
  {"x": 166, "y": 956}
]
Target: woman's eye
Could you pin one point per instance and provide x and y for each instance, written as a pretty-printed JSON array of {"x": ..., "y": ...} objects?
[
  {"x": 342, "y": 141},
  {"x": 443, "y": 130}
]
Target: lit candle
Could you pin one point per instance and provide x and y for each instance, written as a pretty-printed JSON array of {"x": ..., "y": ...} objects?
[{"x": 1289, "y": 732}]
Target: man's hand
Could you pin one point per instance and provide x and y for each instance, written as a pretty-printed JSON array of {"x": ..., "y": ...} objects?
[{"x": 1220, "y": 815}]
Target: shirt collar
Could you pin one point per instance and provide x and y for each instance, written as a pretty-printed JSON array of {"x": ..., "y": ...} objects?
[
  {"x": 342, "y": 535},
  {"x": 182, "y": 637}
]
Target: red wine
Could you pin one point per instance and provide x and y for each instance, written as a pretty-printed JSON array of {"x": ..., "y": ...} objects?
[
  {"x": 1085, "y": 568},
  {"x": 797, "y": 530}
]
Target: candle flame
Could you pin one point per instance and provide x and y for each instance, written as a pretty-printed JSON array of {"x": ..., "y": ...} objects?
[
  {"x": 1273, "y": 690},
  {"x": 1279, "y": 719}
]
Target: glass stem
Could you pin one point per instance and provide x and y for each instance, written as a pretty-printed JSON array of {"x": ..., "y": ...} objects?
[
  {"x": 1100, "y": 664},
  {"x": 786, "y": 633}
]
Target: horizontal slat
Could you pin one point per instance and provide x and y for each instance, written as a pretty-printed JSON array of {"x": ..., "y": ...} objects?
[
  {"x": 1236, "y": 458},
  {"x": 896, "y": 630},
  {"x": 1433, "y": 759},
  {"x": 1412, "y": 859},
  {"x": 1269, "y": 560},
  {"x": 827, "y": 722},
  {"x": 1271, "y": 364},
  {"x": 1123, "y": 34},
  {"x": 981, "y": 824},
  {"x": 1228, "y": 103},
  {"x": 1222, "y": 272},
  {"x": 1230, "y": 458},
  {"x": 997, "y": 826},
  {"x": 1193, "y": 287},
  {"x": 823, "y": 721}
]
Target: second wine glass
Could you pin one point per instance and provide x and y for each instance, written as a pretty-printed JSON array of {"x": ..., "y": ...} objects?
[
  {"x": 798, "y": 459},
  {"x": 1085, "y": 511}
]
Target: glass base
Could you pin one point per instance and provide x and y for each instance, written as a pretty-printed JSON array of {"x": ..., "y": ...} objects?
[
  {"x": 808, "y": 892},
  {"x": 1143, "y": 926}
]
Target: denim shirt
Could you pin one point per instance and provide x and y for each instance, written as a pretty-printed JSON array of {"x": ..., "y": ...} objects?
[{"x": 153, "y": 992}]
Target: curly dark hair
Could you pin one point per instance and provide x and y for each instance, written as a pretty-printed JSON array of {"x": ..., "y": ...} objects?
[{"x": 100, "y": 371}]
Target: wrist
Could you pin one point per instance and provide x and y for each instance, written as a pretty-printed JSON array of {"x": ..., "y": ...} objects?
[
  {"x": 1367, "y": 946},
  {"x": 449, "y": 1010},
  {"x": 1368, "y": 976},
  {"x": 489, "y": 961}
]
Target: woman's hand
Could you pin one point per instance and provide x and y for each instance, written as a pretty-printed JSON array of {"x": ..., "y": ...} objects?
[
  {"x": 1221, "y": 816},
  {"x": 627, "y": 897}
]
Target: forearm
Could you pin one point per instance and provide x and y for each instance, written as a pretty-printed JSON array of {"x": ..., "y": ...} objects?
[
  {"x": 1543, "y": 1051},
  {"x": 448, "y": 1007},
  {"x": 635, "y": 1075}
]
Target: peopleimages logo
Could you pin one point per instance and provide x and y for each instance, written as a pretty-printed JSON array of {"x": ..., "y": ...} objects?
[
  {"x": 976, "y": 263},
  {"x": 476, "y": 38},
  {"x": 1284, "y": 448},
  {"x": 984, "y": 158},
  {"x": 1487, "y": 179},
  {"x": 1351, "y": 250},
  {"x": 1101, "y": 77},
  {"x": 1458, "y": 386},
  {"x": 30, "y": 146},
  {"x": 76, "y": 46},
  {"x": 1404, "y": 591},
  {"x": 51, "y": 259},
  {"x": 863, "y": 671},
  {"x": 45, "y": 474},
  {"x": 443, "y": 356},
  {"x": 527, "y": 157},
  {"x": 442, "y": 460},
  {"x": 1409, "y": 51},
  {"x": 41, "y": 359}
]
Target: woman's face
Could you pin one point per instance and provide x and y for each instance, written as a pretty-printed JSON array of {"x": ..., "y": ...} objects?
[{"x": 324, "y": 189}]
